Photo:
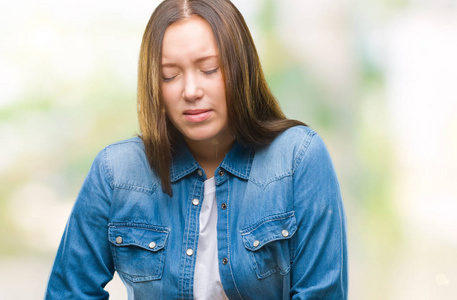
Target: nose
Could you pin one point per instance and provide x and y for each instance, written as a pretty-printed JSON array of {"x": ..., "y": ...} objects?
[{"x": 192, "y": 90}]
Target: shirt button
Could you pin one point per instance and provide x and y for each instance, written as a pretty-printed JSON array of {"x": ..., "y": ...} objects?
[
  {"x": 256, "y": 243},
  {"x": 225, "y": 260},
  {"x": 224, "y": 205},
  {"x": 189, "y": 252},
  {"x": 200, "y": 173},
  {"x": 285, "y": 233},
  {"x": 119, "y": 240},
  {"x": 195, "y": 201},
  {"x": 152, "y": 245},
  {"x": 221, "y": 173}
]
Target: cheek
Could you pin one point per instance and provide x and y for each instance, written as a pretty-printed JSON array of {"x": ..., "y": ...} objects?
[
  {"x": 219, "y": 92},
  {"x": 169, "y": 98}
]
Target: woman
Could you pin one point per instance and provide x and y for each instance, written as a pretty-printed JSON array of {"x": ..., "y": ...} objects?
[{"x": 221, "y": 196}]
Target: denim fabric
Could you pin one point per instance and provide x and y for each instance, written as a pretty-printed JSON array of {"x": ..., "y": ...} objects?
[{"x": 281, "y": 228}]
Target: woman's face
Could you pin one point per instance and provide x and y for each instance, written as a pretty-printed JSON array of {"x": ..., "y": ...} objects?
[{"x": 193, "y": 89}]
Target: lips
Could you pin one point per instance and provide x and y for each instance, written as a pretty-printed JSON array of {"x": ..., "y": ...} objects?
[{"x": 197, "y": 115}]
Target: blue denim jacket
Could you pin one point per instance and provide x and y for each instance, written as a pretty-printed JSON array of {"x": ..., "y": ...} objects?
[{"x": 281, "y": 229}]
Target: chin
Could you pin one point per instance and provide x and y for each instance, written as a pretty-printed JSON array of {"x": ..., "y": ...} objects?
[{"x": 201, "y": 136}]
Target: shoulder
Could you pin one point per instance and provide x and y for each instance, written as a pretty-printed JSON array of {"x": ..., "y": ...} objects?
[
  {"x": 293, "y": 140},
  {"x": 290, "y": 144},
  {"x": 303, "y": 143},
  {"x": 128, "y": 166},
  {"x": 125, "y": 149},
  {"x": 284, "y": 154},
  {"x": 294, "y": 133}
]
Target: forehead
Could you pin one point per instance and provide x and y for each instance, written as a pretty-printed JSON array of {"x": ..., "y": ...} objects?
[{"x": 189, "y": 38}]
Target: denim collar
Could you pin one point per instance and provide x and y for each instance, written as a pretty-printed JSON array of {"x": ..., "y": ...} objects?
[{"x": 237, "y": 161}]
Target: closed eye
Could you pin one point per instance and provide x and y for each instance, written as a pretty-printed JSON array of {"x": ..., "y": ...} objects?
[
  {"x": 211, "y": 71},
  {"x": 167, "y": 79}
]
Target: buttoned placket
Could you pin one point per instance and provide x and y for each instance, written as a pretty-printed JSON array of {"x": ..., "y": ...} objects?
[
  {"x": 221, "y": 179},
  {"x": 193, "y": 178},
  {"x": 190, "y": 239},
  {"x": 223, "y": 185}
]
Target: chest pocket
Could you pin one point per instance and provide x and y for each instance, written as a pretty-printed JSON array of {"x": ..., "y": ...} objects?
[
  {"x": 138, "y": 250},
  {"x": 268, "y": 243}
]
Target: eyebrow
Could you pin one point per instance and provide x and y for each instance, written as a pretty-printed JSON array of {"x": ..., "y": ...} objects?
[{"x": 198, "y": 60}]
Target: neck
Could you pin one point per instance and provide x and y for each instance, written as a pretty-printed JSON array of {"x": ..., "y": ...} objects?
[{"x": 210, "y": 153}]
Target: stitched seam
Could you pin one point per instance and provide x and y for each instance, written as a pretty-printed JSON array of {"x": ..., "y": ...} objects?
[
  {"x": 145, "y": 226},
  {"x": 160, "y": 264},
  {"x": 113, "y": 251},
  {"x": 268, "y": 273},
  {"x": 189, "y": 213},
  {"x": 304, "y": 146},
  {"x": 136, "y": 188},
  {"x": 139, "y": 245},
  {"x": 286, "y": 215},
  {"x": 182, "y": 173},
  {"x": 228, "y": 238},
  {"x": 107, "y": 170},
  {"x": 256, "y": 266},
  {"x": 195, "y": 243},
  {"x": 235, "y": 172},
  {"x": 285, "y": 271},
  {"x": 189, "y": 288},
  {"x": 267, "y": 240},
  {"x": 139, "y": 278},
  {"x": 245, "y": 174},
  {"x": 263, "y": 185}
]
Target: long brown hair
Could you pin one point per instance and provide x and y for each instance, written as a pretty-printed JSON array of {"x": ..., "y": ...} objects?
[{"x": 254, "y": 116}]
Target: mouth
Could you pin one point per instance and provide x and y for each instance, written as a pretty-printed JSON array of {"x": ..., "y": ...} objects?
[{"x": 197, "y": 115}]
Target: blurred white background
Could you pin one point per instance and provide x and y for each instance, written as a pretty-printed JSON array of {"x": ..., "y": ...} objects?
[{"x": 376, "y": 78}]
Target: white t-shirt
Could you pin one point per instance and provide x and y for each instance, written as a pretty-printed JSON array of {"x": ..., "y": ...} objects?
[{"x": 207, "y": 281}]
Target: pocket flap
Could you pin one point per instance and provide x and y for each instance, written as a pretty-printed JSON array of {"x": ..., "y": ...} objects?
[
  {"x": 149, "y": 237},
  {"x": 272, "y": 228}
]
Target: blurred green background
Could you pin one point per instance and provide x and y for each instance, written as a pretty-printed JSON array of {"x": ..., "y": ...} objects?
[{"x": 376, "y": 79}]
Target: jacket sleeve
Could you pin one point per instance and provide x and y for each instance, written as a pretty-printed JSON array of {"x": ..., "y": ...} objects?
[
  {"x": 319, "y": 267},
  {"x": 84, "y": 264}
]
